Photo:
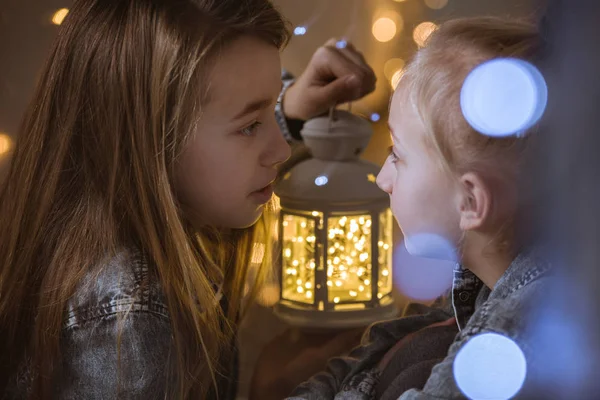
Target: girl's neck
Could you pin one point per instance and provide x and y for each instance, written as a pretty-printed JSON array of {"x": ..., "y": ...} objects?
[{"x": 482, "y": 257}]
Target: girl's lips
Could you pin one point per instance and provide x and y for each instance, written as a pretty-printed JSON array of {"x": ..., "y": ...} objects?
[{"x": 263, "y": 195}]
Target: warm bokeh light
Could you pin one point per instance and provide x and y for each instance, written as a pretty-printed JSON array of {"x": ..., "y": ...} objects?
[
  {"x": 422, "y": 32},
  {"x": 59, "y": 16},
  {"x": 384, "y": 29},
  {"x": 396, "y": 78},
  {"x": 436, "y": 4},
  {"x": 391, "y": 66},
  {"x": 5, "y": 144}
]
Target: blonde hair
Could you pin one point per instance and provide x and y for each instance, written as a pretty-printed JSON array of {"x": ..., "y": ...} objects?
[
  {"x": 432, "y": 83},
  {"x": 93, "y": 171}
]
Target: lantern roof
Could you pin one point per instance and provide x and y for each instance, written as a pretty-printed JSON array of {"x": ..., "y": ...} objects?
[
  {"x": 335, "y": 177},
  {"x": 318, "y": 184}
]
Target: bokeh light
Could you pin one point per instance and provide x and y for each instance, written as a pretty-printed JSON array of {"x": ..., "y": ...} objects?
[
  {"x": 375, "y": 117},
  {"x": 396, "y": 78},
  {"x": 391, "y": 66},
  {"x": 422, "y": 277},
  {"x": 490, "y": 366},
  {"x": 422, "y": 32},
  {"x": 436, "y": 4},
  {"x": 5, "y": 144},
  {"x": 300, "y": 31},
  {"x": 269, "y": 295},
  {"x": 430, "y": 245},
  {"x": 384, "y": 29},
  {"x": 341, "y": 44},
  {"x": 59, "y": 16},
  {"x": 503, "y": 97},
  {"x": 321, "y": 180}
]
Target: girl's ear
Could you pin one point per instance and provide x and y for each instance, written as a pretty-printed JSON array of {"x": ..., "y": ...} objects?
[{"x": 475, "y": 202}]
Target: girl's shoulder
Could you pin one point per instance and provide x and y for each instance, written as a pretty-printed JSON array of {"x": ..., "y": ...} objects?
[{"x": 123, "y": 283}]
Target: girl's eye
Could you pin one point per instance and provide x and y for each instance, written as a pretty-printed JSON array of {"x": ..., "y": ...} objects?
[{"x": 251, "y": 129}]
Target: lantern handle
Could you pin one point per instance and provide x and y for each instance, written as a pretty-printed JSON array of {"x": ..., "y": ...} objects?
[{"x": 331, "y": 118}]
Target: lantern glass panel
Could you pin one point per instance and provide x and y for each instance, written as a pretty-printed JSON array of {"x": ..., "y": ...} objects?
[
  {"x": 385, "y": 253},
  {"x": 349, "y": 258},
  {"x": 299, "y": 262}
]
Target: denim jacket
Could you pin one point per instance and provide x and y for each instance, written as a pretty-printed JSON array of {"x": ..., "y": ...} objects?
[
  {"x": 477, "y": 309},
  {"x": 122, "y": 300}
]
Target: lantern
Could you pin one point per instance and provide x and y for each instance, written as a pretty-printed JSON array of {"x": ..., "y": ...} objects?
[{"x": 335, "y": 231}]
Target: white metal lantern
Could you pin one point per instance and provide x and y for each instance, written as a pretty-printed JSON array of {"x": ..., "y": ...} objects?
[{"x": 335, "y": 231}]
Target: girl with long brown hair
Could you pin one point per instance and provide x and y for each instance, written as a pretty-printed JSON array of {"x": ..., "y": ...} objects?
[{"x": 139, "y": 190}]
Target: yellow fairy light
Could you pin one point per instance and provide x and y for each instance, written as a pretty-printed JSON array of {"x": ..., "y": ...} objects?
[
  {"x": 361, "y": 288},
  {"x": 336, "y": 299},
  {"x": 380, "y": 243},
  {"x": 338, "y": 283},
  {"x": 385, "y": 272},
  {"x": 329, "y": 283},
  {"x": 353, "y": 293},
  {"x": 295, "y": 263},
  {"x": 59, "y": 16},
  {"x": 315, "y": 213},
  {"x": 285, "y": 223},
  {"x": 336, "y": 260},
  {"x": 299, "y": 281},
  {"x": 303, "y": 224},
  {"x": 308, "y": 285},
  {"x": 367, "y": 282},
  {"x": 300, "y": 289},
  {"x": 287, "y": 253},
  {"x": 309, "y": 294},
  {"x": 386, "y": 246}
]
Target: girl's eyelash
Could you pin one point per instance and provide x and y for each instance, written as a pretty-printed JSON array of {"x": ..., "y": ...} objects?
[
  {"x": 251, "y": 129},
  {"x": 392, "y": 154}
]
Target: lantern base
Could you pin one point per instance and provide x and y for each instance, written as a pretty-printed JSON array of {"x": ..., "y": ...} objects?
[{"x": 318, "y": 320}]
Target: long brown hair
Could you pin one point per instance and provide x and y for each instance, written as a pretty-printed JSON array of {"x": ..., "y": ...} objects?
[{"x": 92, "y": 172}]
